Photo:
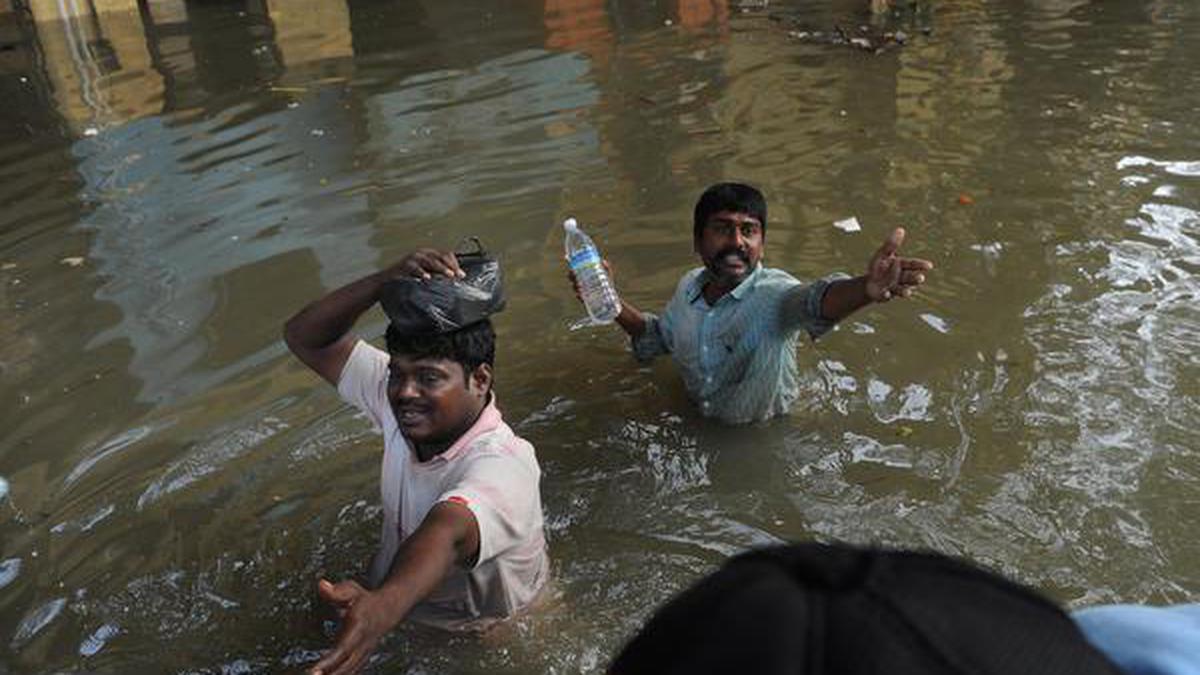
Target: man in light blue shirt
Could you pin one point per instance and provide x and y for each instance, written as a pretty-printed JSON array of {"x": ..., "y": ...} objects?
[{"x": 732, "y": 325}]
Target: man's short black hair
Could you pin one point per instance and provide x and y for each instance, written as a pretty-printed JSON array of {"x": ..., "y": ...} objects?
[
  {"x": 736, "y": 197},
  {"x": 468, "y": 346}
]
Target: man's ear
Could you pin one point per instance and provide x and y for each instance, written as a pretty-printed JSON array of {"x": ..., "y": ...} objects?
[{"x": 481, "y": 378}]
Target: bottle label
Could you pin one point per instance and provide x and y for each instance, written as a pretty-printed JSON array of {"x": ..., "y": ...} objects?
[{"x": 588, "y": 256}]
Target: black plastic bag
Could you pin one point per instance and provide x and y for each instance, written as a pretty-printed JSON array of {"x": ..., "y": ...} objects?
[{"x": 442, "y": 304}]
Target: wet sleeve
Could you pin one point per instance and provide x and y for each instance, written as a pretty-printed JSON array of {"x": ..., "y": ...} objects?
[
  {"x": 363, "y": 382},
  {"x": 801, "y": 307},
  {"x": 656, "y": 339},
  {"x": 502, "y": 493},
  {"x": 659, "y": 336}
]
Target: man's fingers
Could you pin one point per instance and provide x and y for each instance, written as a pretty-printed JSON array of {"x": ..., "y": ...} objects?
[
  {"x": 434, "y": 262},
  {"x": 334, "y": 658},
  {"x": 911, "y": 278},
  {"x": 423, "y": 265},
  {"x": 893, "y": 242},
  {"x": 916, "y": 264},
  {"x": 353, "y": 664},
  {"x": 342, "y": 593},
  {"x": 891, "y": 271},
  {"x": 450, "y": 265}
]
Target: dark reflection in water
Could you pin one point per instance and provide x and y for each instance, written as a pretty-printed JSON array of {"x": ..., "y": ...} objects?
[{"x": 178, "y": 177}]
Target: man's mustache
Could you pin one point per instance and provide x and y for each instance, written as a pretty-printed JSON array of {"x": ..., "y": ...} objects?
[{"x": 732, "y": 250}]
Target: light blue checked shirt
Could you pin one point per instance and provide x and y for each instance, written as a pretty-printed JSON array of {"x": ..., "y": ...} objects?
[{"x": 738, "y": 357}]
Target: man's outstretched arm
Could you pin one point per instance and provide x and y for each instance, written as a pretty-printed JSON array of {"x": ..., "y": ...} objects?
[
  {"x": 319, "y": 335},
  {"x": 888, "y": 276},
  {"x": 448, "y": 536}
]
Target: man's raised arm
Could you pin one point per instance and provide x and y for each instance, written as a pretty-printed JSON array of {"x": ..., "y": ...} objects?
[{"x": 319, "y": 335}]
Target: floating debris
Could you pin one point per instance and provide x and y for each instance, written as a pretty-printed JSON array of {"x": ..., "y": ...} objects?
[
  {"x": 96, "y": 641},
  {"x": 936, "y": 322},
  {"x": 9, "y": 570},
  {"x": 965, "y": 199},
  {"x": 848, "y": 225},
  {"x": 72, "y": 261},
  {"x": 863, "y": 38},
  {"x": 3, "y": 488},
  {"x": 989, "y": 250}
]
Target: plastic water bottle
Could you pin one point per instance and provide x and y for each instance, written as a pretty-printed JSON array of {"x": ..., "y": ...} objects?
[{"x": 599, "y": 296}]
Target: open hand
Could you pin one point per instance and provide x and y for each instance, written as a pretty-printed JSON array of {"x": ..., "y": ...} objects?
[
  {"x": 889, "y": 275},
  {"x": 424, "y": 263},
  {"x": 366, "y": 617}
]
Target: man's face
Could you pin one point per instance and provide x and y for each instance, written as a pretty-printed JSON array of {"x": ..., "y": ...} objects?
[
  {"x": 433, "y": 400},
  {"x": 731, "y": 246}
]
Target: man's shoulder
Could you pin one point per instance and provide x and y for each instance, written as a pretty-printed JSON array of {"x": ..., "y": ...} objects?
[
  {"x": 688, "y": 280},
  {"x": 504, "y": 443},
  {"x": 776, "y": 276}
]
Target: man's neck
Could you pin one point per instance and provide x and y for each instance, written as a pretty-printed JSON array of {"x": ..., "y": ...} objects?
[{"x": 715, "y": 290}]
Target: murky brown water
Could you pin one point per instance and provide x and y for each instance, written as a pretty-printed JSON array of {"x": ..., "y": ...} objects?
[{"x": 176, "y": 181}]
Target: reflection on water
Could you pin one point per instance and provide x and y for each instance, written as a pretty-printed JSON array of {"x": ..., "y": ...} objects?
[{"x": 177, "y": 178}]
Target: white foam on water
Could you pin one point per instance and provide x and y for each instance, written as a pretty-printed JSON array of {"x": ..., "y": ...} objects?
[{"x": 1184, "y": 168}]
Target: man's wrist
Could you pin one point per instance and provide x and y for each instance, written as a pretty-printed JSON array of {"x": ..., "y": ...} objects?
[
  {"x": 393, "y": 603},
  {"x": 873, "y": 292}
]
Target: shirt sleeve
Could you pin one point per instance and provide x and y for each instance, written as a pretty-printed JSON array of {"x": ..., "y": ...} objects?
[
  {"x": 659, "y": 336},
  {"x": 502, "y": 493},
  {"x": 363, "y": 382},
  {"x": 656, "y": 339},
  {"x": 801, "y": 307}
]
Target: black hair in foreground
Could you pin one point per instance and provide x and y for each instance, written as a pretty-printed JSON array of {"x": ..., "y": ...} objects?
[
  {"x": 736, "y": 197},
  {"x": 469, "y": 346}
]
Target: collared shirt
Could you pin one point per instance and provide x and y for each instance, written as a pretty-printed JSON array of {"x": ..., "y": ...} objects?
[
  {"x": 738, "y": 356},
  {"x": 490, "y": 470}
]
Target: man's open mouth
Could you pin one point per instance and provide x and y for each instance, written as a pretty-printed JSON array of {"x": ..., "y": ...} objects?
[
  {"x": 733, "y": 262},
  {"x": 412, "y": 416}
]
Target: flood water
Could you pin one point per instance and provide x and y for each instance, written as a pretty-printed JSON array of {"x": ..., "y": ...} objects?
[{"x": 177, "y": 178}]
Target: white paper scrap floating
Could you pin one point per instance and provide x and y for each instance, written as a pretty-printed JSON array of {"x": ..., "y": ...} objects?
[{"x": 848, "y": 225}]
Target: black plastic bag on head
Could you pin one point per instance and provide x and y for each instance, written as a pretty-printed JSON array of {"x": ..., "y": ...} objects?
[{"x": 442, "y": 304}]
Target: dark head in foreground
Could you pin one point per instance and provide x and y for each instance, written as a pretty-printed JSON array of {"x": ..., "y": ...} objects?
[{"x": 816, "y": 609}]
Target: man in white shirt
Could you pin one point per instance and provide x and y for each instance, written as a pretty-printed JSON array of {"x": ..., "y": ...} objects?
[{"x": 462, "y": 542}]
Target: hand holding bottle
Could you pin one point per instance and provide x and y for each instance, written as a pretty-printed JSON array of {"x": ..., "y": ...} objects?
[{"x": 589, "y": 274}]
